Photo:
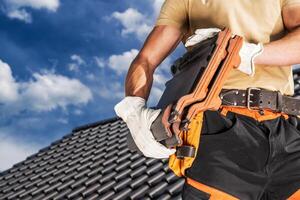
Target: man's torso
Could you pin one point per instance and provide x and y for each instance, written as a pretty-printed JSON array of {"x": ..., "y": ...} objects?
[{"x": 256, "y": 20}]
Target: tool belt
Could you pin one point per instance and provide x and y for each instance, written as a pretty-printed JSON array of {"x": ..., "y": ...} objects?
[
  {"x": 260, "y": 99},
  {"x": 198, "y": 78}
]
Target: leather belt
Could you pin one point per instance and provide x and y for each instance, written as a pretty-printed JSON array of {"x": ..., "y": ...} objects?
[{"x": 259, "y": 99}]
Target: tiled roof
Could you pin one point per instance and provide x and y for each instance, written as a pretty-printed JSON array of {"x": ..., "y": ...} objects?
[{"x": 93, "y": 162}]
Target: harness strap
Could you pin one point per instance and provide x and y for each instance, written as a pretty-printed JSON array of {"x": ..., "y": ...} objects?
[{"x": 255, "y": 114}]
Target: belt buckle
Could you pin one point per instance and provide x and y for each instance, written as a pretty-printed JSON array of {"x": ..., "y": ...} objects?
[{"x": 249, "y": 94}]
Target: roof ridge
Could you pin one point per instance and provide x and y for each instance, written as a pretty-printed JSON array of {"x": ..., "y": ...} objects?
[{"x": 94, "y": 124}]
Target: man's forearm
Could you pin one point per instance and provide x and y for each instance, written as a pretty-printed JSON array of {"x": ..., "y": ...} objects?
[
  {"x": 139, "y": 79},
  {"x": 285, "y": 51}
]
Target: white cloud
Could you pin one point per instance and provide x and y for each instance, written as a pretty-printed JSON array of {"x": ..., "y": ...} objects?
[
  {"x": 20, "y": 14},
  {"x": 77, "y": 62},
  {"x": 90, "y": 76},
  {"x": 99, "y": 61},
  {"x": 133, "y": 22},
  {"x": 49, "y": 91},
  {"x": 8, "y": 85},
  {"x": 13, "y": 151},
  {"x": 16, "y": 9},
  {"x": 113, "y": 90},
  {"x": 77, "y": 59},
  {"x": 73, "y": 67},
  {"x": 120, "y": 63},
  {"x": 63, "y": 120},
  {"x": 77, "y": 112},
  {"x": 155, "y": 95},
  {"x": 45, "y": 92},
  {"x": 156, "y": 6},
  {"x": 51, "y": 5},
  {"x": 159, "y": 78}
]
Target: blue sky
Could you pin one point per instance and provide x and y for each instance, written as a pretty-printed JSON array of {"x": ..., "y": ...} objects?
[{"x": 63, "y": 64}]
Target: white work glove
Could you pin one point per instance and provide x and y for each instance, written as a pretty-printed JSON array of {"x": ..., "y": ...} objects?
[
  {"x": 139, "y": 119},
  {"x": 247, "y": 53}
]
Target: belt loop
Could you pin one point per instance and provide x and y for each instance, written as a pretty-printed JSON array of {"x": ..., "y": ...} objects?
[{"x": 223, "y": 111}]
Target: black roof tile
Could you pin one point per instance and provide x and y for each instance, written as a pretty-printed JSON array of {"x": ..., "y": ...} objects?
[
  {"x": 164, "y": 197},
  {"x": 105, "y": 187},
  {"x": 123, "y": 166},
  {"x": 138, "y": 181},
  {"x": 93, "y": 179},
  {"x": 79, "y": 182},
  {"x": 66, "y": 184},
  {"x": 175, "y": 187},
  {"x": 154, "y": 168},
  {"x": 108, "y": 177},
  {"x": 123, "y": 174},
  {"x": 50, "y": 195},
  {"x": 122, "y": 184},
  {"x": 91, "y": 190},
  {"x": 156, "y": 178},
  {"x": 76, "y": 192},
  {"x": 158, "y": 189},
  {"x": 109, "y": 168},
  {"x": 125, "y": 192},
  {"x": 96, "y": 171},
  {"x": 107, "y": 196},
  {"x": 140, "y": 192},
  {"x": 63, "y": 194}
]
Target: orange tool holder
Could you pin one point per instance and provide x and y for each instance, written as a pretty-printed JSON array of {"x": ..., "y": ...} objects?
[{"x": 210, "y": 69}]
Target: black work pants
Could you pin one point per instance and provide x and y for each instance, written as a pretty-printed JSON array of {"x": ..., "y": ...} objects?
[{"x": 247, "y": 159}]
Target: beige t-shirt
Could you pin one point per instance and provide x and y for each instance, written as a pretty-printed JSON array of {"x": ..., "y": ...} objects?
[{"x": 255, "y": 20}]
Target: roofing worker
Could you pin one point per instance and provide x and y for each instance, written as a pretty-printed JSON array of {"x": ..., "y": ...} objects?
[{"x": 243, "y": 153}]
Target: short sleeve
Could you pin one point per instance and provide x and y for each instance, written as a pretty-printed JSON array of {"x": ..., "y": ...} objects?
[
  {"x": 174, "y": 13},
  {"x": 289, "y": 2}
]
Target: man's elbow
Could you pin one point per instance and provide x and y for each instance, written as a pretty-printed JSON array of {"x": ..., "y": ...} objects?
[{"x": 142, "y": 61}]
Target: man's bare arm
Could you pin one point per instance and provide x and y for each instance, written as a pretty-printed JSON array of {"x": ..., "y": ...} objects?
[
  {"x": 285, "y": 51},
  {"x": 159, "y": 44}
]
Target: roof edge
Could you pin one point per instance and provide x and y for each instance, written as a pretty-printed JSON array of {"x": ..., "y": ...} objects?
[{"x": 94, "y": 124}]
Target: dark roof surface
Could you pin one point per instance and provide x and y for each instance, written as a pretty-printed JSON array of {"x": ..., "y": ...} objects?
[{"x": 93, "y": 162}]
